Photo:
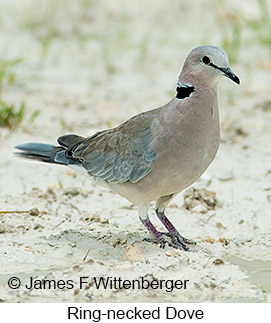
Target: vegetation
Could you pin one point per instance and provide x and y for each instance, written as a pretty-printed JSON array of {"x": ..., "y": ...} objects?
[
  {"x": 262, "y": 26},
  {"x": 10, "y": 116},
  {"x": 233, "y": 26},
  {"x": 6, "y": 70}
]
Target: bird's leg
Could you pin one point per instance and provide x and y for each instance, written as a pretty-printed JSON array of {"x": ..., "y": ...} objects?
[
  {"x": 158, "y": 236},
  {"x": 174, "y": 234}
]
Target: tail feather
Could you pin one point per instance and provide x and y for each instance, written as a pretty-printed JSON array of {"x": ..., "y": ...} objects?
[
  {"x": 69, "y": 140},
  {"x": 45, "y": 153}
]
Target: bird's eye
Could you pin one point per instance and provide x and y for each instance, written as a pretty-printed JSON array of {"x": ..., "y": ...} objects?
[{"x": 206, "y": 60}]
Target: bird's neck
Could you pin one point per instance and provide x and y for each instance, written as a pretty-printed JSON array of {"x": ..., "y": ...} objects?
[
  {"x": 188, "y": 79},
  {"x": 184, "y": 91},
  {"x": 200, "y": 99}
]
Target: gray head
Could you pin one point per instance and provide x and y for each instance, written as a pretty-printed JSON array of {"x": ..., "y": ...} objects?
[{"x": 206, "y": 63}]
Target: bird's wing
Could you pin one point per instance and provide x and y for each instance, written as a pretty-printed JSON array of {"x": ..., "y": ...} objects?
[{"x": 120, "y": 154}]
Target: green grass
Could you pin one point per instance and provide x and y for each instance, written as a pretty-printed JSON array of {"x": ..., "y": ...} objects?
[
  {"x": 33, "y": 116},
  {"x": 10, "y": 116},
  {"x": 231, "y": 42},
  {"x": 43, "y": 21},
  {"x": 233, "y": 28},
  {"x": 262, "y": 26},
  {"x": 60, "y": 183},
  {"x": 7, "y": 70},
  {"x": 109, "y": 124},
  {"x": 87, "y": 4},
  {"x": 229, "y": 25},
  {"x": 266, "y": 294}
]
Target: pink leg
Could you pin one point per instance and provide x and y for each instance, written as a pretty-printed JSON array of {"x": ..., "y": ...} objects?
[
  {"x": 176, "y": 237},
  {"x": 158, "y": 237}
]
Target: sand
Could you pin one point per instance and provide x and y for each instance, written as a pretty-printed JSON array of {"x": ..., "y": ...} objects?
[{"x": 89, "y": 65}]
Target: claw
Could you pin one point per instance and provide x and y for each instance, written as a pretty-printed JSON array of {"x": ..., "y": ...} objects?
[
  {"x": 162, "y": 243},
  {"x": 177, "y": 241},
  {"x": 189, "y": 241},
  {"x": 185, "y": 240}
]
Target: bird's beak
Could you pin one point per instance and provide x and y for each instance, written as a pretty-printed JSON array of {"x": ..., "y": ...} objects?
[{"x": 229, "y": 73}]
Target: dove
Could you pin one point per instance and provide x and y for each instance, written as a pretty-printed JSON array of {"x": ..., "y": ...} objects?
[{"x": 158, "y": 153}]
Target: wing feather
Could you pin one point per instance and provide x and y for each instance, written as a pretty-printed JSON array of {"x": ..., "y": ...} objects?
[{"x": 120, "y": 154}]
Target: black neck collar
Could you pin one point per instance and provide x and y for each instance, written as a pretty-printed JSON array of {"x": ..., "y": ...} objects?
[{"x": 184, "y": 91}]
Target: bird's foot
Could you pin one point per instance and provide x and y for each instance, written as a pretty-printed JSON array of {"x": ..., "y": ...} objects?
[
  {"x": 163, "y": 242},
  {"x": 173, "y": 233},
  {"x": 179, "y": 236},
  {"x": 177, "y": 241}
]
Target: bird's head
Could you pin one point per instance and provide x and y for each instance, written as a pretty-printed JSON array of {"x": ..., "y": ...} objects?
[{"x": 206, "y": 64}]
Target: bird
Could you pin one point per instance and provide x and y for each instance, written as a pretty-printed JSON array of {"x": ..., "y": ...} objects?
[{"x": 156, "y": 154}]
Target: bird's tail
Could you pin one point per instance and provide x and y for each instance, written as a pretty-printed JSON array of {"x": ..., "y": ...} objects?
[{"x": 45, "y": 153}]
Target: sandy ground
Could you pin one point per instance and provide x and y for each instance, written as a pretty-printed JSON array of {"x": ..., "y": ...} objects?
[{"x": 89, "y": 65}]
